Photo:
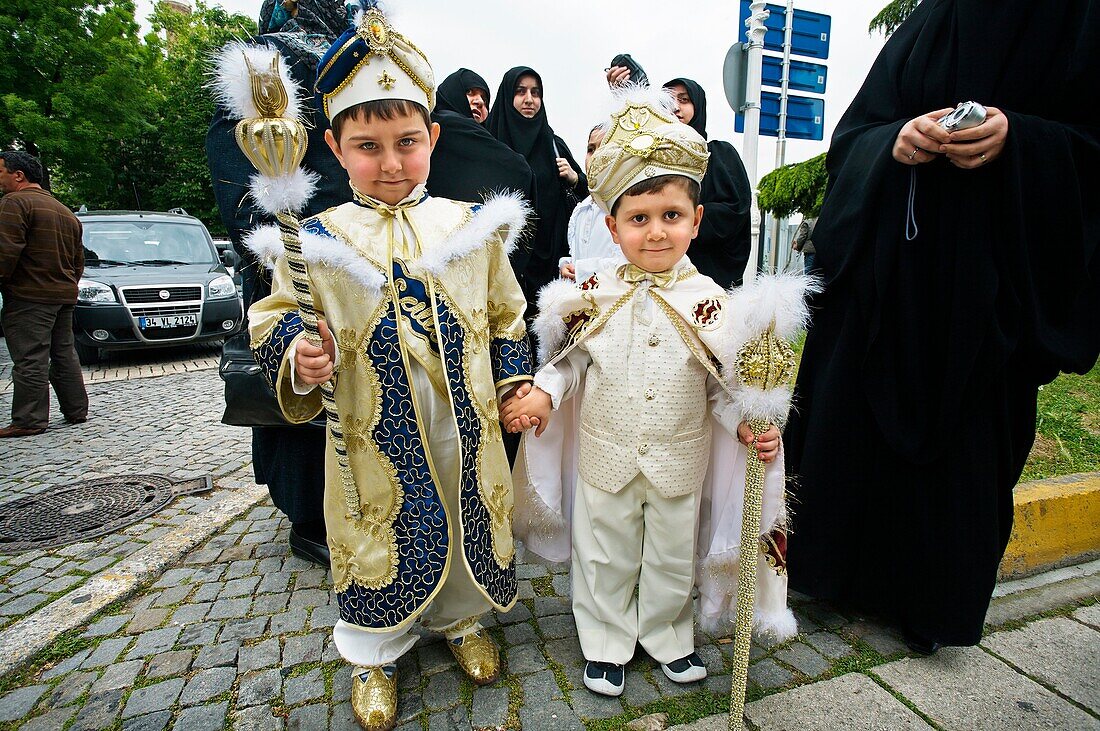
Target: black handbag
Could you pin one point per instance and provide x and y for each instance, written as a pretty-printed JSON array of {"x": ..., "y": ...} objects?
[{"x": 249, "y": 400}]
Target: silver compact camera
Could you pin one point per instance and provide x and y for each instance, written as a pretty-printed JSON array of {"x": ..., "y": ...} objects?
[{"x": 964, "y": 116}]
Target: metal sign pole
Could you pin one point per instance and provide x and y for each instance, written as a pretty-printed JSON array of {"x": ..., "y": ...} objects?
[
  {"x": 781, "y": 141},
  {"x": 756, "y": 29}
]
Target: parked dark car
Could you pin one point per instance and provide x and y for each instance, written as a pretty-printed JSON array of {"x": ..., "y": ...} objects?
[{"x": 151, "y": 280}]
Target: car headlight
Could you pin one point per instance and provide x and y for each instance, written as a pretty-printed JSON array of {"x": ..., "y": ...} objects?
[
  {"x": 221, "y": 287},
  {"x": 92, "y": 291}
]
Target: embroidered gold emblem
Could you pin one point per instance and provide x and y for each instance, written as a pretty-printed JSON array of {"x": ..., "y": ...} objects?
[
  {"x": 491, "y": 420},
  {"x": 355, "y": 434},
  {"x": 348, "y": 342},
  {"x": 386, "y": 81},
  {"x": 635, "y": 118},
  {"x": 707, "y": 314},
  {"x": 419, "y": 311},
  {"x": 499, "y": 512},
  {"x": 479, "y": 330}
]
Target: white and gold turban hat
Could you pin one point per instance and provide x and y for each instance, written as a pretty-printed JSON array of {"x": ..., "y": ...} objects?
[
  {"x": 373, "y": 61},
  {"x": 644, "y": 140}
]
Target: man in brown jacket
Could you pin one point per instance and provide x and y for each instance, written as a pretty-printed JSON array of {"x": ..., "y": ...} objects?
[{"x": 41, "y": 260}]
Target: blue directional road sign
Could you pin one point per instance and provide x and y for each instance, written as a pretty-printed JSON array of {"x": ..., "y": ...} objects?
[
  {"x": 804, "y": 76},
  {"x": 805, "y": 117},
  {"x": 809, "y": 36}
]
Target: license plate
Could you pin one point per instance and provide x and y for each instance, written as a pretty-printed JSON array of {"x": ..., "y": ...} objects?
[{"x": 146, "y": 323}]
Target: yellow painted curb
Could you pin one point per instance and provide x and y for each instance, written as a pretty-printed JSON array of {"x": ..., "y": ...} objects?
[{"x": 1056, "y": 523}]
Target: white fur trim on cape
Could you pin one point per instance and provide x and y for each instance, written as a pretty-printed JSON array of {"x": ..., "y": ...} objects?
[
  {"x": 502, "y": 210},
  {"x": 332, "y": 253},
  {"x": 549, "y": 326},
  {"x": 284, "y": 193},
  {"x": 266, "y": 243},
  {"x": 232, "y": 86}
]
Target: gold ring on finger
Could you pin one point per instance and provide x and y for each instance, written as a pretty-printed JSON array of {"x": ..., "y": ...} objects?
[{"x": 982, "y": 157}]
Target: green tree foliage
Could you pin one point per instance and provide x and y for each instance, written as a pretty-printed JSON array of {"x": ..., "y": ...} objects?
[
  {"x": 118, "y": 119},
  {"x": 179, "y": 132},
  {"x": 74, "y": 90},
  {"x": 893, "y": 15},
  {"x": 799, "y": 187}
]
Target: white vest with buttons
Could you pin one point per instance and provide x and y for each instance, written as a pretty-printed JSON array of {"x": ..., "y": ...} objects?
[{"x": 645, "y": 404}]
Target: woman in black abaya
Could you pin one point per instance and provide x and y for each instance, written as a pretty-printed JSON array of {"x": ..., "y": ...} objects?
[
  {"x": 559, "y": 181},
  {"x": 468, "y": 162},
  {"x": 958, "y": 278},
  {"x": 721, "y": 249},
  {"x": 290, "y": 460}
]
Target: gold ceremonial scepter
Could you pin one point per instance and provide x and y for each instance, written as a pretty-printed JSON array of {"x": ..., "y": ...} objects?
[
  {"x": 275, "y": 144},
  {"x": 763, "y": 363}
]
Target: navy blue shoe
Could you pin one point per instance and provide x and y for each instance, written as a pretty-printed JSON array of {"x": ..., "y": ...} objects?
[
  {"x": 605, "y": 678},
  {"x": 688, "y": 669}
]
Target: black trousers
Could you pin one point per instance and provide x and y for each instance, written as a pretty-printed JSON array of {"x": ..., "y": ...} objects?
[{"x": 43, "y": 353}]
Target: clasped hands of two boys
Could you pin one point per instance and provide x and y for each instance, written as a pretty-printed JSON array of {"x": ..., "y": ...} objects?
[{"x": 524, "y": 407}]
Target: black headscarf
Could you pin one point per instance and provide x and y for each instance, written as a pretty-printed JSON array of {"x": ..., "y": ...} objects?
[
  {"x": 721, "y": 250},
  {"x": 468, "y": 162},
  {"x": 451, "y": 94},
  {"x": 555, "y": 200},
  {"x": 699, "y": 99}
]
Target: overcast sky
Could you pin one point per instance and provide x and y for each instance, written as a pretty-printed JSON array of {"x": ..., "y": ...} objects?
[{"x": 570, "y": 42}]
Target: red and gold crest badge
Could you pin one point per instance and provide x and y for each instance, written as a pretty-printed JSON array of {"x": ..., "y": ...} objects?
[{"x": 706, "y": 314}]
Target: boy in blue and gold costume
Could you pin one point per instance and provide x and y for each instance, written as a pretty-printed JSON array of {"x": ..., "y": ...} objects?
[{"x": 423, "y": 334}]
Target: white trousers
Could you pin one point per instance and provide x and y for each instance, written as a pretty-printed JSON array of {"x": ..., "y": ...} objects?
[
  {"x": 634, "y": 537},
  {"x": 456, "y": 608}
]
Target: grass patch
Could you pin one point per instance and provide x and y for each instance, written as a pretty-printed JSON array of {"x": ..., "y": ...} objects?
[
  {"x": 1063, "y": 611},
  {"x": 63, "y": 647},
  {"x": 1067, "y": 438},
  {"x": 543, "y": 586},
  {"x": 515, "y": 700}
]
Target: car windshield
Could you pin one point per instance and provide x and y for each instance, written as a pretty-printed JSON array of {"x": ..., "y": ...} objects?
[{"x": 147, "y": 243}]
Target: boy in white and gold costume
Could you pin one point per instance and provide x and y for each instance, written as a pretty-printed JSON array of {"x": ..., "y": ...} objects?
[
  {"x": 638, "y": 475},
  {"x": 423, "y": 333}
]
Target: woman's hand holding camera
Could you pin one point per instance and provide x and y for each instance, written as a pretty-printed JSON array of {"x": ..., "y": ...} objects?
[
  {"x": 977, "y": 146},
  {"x": 922, "y": 140}
]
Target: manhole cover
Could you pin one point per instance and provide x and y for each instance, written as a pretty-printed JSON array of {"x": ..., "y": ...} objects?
[{"x": 72, "y": 513}]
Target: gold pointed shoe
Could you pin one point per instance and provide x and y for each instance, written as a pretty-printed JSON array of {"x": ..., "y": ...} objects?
[
  {"x": 374, "y": 698},
  {"x": 478, "y": 658}
]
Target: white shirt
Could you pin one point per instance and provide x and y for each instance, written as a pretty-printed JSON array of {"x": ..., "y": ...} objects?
[{"x": 591, "y": 248}]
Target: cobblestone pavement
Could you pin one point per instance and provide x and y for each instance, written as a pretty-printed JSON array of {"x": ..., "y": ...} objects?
[
  {"x": 237, "y": 635},
  {"x": 167, "y": 426}
]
